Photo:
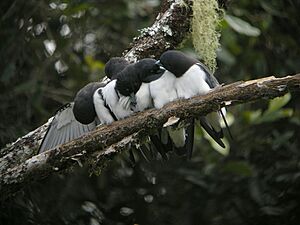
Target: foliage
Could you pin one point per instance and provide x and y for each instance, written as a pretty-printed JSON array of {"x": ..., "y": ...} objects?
[{"x": 255, "y": 182}]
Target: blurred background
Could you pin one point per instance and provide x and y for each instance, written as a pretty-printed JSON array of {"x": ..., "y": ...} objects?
[{"x": 50, "y": 49}]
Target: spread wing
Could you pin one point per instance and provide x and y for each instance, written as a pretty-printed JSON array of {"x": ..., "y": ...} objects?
[{"x": 64, "y": 128}]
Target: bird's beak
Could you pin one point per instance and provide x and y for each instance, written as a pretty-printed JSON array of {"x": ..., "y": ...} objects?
[
  {"x": 161, "y": 67},
  {"x": 159, "y": 63}
]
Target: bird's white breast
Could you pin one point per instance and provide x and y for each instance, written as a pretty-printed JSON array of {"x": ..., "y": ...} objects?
[
  {"x": 102, "y": 112},
  {"x": 162, "y": 90},
  {"x": 112, "y": 100},
  {"x": 192, "y": 83},
  {"x": 143, "y": 98}
]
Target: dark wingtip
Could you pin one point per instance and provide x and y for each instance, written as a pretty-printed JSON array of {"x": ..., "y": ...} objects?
[
  {"x": 159, "y": 146},
  {"x": 132, "y": 158},
  {"x": 215, "y": 135},
  {"x": 226, "y": 124},
  {"x": 142, "y": 151},
  {"x": 221, "y": 143},
  {"x": 190, "y": 138}
]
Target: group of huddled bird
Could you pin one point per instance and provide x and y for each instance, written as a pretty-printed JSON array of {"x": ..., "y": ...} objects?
[{"x": 135, "y": 87}]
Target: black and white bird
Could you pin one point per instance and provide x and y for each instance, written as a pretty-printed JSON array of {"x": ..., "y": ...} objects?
[
  {"x": 162, "y": 92},
  {"x": 133, "y": 83},
  {"x": 191, "y": 78},
  {"x": 79, "y": 117},
  {"x": 118, "y": 99},
  {"x": 119, "y": 95},
  {"x": 96, "y": 100}
]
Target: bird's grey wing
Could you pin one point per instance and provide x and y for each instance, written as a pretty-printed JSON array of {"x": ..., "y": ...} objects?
[
  {"x": 210, "y": 79},
  {"x": 64, "y": 128}
]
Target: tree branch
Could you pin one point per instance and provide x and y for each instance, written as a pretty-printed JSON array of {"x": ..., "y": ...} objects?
[
  {"x": 171, "y": 26},
  {"x": 121, "y": 135}
]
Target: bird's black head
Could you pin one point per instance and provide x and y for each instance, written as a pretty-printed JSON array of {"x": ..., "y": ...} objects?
[
  {"x": 114, "y": 66},
  {"x": 84, "y": 110},
  {"x": 148, "y": 70},
  {"x": 132, "y": 77},
  {"x": 176, "y": 62}
]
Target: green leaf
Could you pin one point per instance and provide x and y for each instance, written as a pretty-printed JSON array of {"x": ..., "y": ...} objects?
[
  {"x": 277, "y": 103},
  {"x": 77, "y": 8},
  {"x": 241, "y": 168},
  {"x": 252, "y": 116},
  {"x": 276, "y": 115},
  {"x": 242, "y": 26},
  {"x": 273, "y": 113},
  {"x": 224, "y": 151},
  {"x": 94, "y": 64}
]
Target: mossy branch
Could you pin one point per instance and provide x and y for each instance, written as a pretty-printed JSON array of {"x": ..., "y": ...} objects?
[
  {"x": 106, "y": 141},
  {"x": 169, "y": 29}
]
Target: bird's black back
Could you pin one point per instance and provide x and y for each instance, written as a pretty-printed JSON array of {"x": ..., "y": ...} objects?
[
  {"x": 84, "y": 110},
  {"x": 131, "y": 78},
  {"x": 128, "y": 81},
  {"x": 177, "y": 62}
]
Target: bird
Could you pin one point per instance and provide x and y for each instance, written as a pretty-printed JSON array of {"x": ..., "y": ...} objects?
[
  {"x": 79, "y": 117},
  {"x": 118, "y": 96},
  {"x": 191, "y": 78},
  {"x": 133, "y": 83},
  {"x": 162, "y": 92},
  {"x": 89, "y": 102}
]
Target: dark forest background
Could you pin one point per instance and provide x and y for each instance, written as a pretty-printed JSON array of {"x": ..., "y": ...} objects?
[{"x": 50, "y": 49}]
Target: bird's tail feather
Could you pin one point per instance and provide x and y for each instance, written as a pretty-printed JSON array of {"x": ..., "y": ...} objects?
[
  {"x": 216, "y": 135},
  {"x": 142, "y": 149},
  {"x": 189, "y": 142},
  {"x": 159, "y": 146},
  {"x": 226, "y": 124},
  {"x": 132, "y": 158},
  {"x": 182, "y": 139},
  {"x": 177, "y": 134}
]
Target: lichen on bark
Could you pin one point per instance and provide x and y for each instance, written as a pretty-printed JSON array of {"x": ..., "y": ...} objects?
[{"x": 206, "y": 18}]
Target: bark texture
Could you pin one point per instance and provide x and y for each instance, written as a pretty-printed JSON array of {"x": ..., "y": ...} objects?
[
  {"x": 169, "y": 29},
  {"x": 106, "y": 141}
]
